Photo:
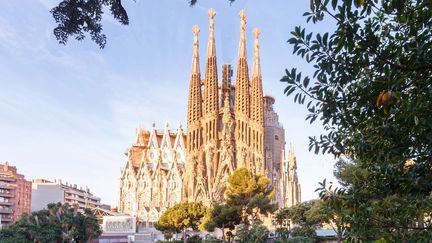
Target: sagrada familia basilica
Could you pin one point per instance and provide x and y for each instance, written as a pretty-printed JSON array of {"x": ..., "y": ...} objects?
[{"x": 228, "y": 126}]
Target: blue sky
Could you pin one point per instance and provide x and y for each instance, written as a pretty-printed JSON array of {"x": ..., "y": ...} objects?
[{"x": 70, "y": 112}]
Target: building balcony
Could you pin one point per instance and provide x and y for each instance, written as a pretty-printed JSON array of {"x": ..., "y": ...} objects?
[
  {"x": 8, "y": 179},
  {"x": 75, "y": 192},
  {"x": 8, "y": 195},
  {"x": 74, "y": 202},
  {"x": 6, "y": 219},
  {"x": 93, "y": 198},
  {"x": 6, "y": 203},
  {"x": 71, "y": 198},
  {"x": 6, "y": 210},
  {"x": 5, "y": 186},
  {"x": 92, "y": 205}
]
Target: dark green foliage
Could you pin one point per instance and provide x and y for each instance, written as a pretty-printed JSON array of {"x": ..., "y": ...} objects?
[
  {"x": 248, "y": 197},
  {"x": 300, "y": 239},
  {"x": 59, "y": 223},
  {"x": 372, "y": 91},
  {"x": 299, "y": 214},
  {"x": 306, "y": 216},
  {"x": 166, "y": 241},
  {"x": 223, "y": 216},
  {"x": 282, "y": 233},
  {"x": 304, "y": 231},
  {"x": 212, "y": 241},
  {"x": 194, "y": 239},
  {"x": 168, "y": 234},
  {"x": 257, "y": 233},
  {"x": 180, "y": 217},
  {"x": 180, "y": 241},
  {"x": 251, "y": 193},
  {"x": 77, "y": 17}
]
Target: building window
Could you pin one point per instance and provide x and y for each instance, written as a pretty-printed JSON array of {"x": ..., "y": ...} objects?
[{"x": 276, "y": 137}]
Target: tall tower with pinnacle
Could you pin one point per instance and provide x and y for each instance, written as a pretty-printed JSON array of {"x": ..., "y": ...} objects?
[
  {"x": 242, "y": 100},
  {"x": 231, "y": 127},
  {"x": 257, "y": 110},
  {"x": 194, "y": 136},
  {"x": 228, "y": 126},
  {"x": 291, "y": 185},
  {"x": 211, "y": 108}
]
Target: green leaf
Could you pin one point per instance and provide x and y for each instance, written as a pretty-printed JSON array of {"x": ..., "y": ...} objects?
[
  {"x": 334, "y": 4},
  {"x": 306, "y": 82}
]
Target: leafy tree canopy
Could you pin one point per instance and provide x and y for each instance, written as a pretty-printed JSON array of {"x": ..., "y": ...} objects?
[
  {"x": 252, "y": 193},
  {"x": 75, "y": 18},
  {"x": 311, "y": 215},
  {"x": 257, "y": 233},
  {"x": 223, "y": 216},
  {"x": 372, "y": 91},
  {"x": 59, "y": 223},
  {"x": 300, "y": 214},
  {"x": 180, "y": 217}
]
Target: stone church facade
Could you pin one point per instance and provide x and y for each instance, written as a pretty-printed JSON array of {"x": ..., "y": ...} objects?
[{"x": 228, "y": 126}]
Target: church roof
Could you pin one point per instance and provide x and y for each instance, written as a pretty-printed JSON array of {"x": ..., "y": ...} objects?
[
  {"x": 143, "y": 137},
  {"x": 100, "y": 212}
]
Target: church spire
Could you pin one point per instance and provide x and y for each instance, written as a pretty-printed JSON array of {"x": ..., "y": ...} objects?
[
  {"x": 211, "y": 104},
  {"x": 242, "y": 96},
  {"x": 291, "y": 158},
  {"x": 195, "y": 55},
  {"x": 257, "y": 100},
  {"x": 211, "y": 48},
  {"x": 242, "y": 45},
  {"x": 194, "y": 103},
  {"x": 256, "y": 71}
]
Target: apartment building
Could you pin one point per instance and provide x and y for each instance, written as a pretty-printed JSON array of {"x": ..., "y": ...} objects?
[
  {"x": 15, "y": 194},
  {"x": 45, "y": 192}
]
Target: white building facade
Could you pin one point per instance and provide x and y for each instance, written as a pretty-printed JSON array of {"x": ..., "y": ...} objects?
[{"x": 45, "y": 192}]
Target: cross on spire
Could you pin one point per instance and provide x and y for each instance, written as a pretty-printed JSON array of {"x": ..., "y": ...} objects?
[
  {"x": 242, "y": 14},
  {"x": 195, "y": 58},
  {"x": 211, "y": 13},
  {"x": 195, "y": 30},
  {"x": 256, "y": 32}
]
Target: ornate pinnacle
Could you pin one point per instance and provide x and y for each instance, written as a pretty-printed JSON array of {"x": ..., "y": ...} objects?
[
  {"x": 195, "y": 30},
  {"x": 211, "y": 13},
  {"x": 211, "y": 49},
  {"x": 242, "y": 15},
  {"x": 291, "y": 149},
  {"x": 242, "y": 47},
  {"x": 256, "y": 32},
  {"x": 195, "y": 58},
  {"x": 256, "y": 71}
]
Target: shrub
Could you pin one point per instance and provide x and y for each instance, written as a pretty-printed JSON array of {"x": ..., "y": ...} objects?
[
  {"x": 195, "y": 239},
  {"x": 306, "y": 232},
  {"x": 300, "y": 239}
]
